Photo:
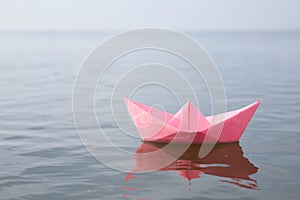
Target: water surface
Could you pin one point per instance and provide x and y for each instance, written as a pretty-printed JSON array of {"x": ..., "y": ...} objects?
[{"x": 43, "y": 158}]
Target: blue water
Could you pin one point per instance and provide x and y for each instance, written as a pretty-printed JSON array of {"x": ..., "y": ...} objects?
[{"x": 43, "y": 158}]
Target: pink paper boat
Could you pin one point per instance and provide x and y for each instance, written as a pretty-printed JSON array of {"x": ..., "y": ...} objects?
[{"x": 189, "y": 125}]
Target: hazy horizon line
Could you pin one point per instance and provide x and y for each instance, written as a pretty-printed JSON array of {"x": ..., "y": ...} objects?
[{"x": 125, "y": 30}]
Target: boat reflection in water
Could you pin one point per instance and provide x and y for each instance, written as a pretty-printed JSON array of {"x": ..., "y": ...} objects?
[{"x": 226, "y": 161}]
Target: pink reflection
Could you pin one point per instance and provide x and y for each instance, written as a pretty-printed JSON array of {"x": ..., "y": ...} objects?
[{"x": 225, "y": 161}]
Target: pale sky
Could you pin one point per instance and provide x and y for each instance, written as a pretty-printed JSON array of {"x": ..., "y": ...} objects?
[{"x": 128, "y": 14}]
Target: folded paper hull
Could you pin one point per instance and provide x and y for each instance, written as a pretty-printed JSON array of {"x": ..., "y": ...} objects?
[{"x": 188, "y": 125}]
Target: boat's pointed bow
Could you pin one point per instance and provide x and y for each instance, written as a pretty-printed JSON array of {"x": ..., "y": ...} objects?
[
  {"x": 258, "y": 101},
  {"x": 252, "y": 107},
  {"x": 246, "y": 113},
  {"x": 126, "y": 100}
]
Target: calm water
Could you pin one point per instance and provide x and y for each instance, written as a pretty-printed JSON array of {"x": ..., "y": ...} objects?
[{"x": 43, "y": 158}]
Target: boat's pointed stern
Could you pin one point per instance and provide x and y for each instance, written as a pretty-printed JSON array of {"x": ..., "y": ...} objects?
[{"x": 150, "y": 122}]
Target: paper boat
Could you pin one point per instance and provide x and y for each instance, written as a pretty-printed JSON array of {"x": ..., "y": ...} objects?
[
  {"x": 189, "y": 125},
  {"x": 226, "y": 161}
]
